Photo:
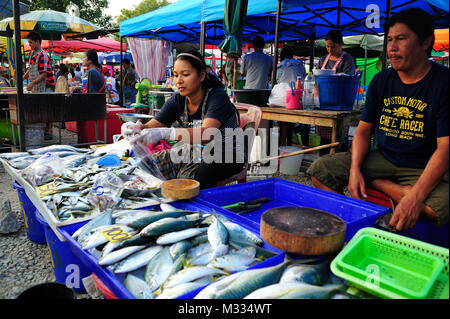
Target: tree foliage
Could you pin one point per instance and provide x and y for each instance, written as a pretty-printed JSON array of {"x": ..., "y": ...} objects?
[
  {"x": 143, "y": 7},
  {"x": 90, "y": 10}
]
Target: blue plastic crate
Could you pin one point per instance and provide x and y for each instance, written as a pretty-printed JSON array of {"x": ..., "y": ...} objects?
[
  {"x": 114, "y": 282},
  {"x": 357, "y": 214}
]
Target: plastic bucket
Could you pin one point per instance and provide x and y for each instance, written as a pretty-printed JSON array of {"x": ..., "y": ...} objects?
[
  {"x": 67, "y": 267},
  {"x": 35, "y": 230},
  {"x": 294, "y": 99},
  {"x": 105, "y": 291},
  {"x": 337, "y": 92},
  {"x": 290, "y": 165},
  {"x": 48, "y": 290}
]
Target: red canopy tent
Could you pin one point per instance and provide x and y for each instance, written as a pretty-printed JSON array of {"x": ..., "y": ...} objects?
[{"x": 63, "y": 46}]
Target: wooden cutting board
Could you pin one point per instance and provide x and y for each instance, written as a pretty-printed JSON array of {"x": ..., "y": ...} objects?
[
  {"x": 180, "y": 188},
  {"x": 302, "y": 230}
]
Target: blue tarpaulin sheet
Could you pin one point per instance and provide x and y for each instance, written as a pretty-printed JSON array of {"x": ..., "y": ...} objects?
[{"x": 180, "y": 21}]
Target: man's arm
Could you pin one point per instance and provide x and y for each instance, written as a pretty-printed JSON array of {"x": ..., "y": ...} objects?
[
  {"x": 409, "y": 208},
  {"x": 360, "y": 147}
]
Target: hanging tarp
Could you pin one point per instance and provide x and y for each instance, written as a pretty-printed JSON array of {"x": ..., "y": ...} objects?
[
  {"x": 60, "y": 46},
  {"x": 150, "y": 58},
  {"x": 180, "y": 21}
]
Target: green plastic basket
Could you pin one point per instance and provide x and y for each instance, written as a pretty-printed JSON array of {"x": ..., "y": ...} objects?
[{"x": 388, "y": 265}]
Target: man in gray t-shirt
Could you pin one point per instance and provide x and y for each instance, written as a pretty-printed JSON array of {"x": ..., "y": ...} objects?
[{"x": 257, "y": 66}]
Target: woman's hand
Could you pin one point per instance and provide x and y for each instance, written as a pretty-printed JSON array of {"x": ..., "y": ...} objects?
[
  {"x": 129, "y": 129},
  {"x": 153, "y": 135},
  {"x": 357, "y": 185}
]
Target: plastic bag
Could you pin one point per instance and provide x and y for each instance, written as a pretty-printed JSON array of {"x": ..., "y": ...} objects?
[
  {"x": 278, "y": 94},
  {"x": 44, "y": 169},
  {"x": 106, "y": 191}
]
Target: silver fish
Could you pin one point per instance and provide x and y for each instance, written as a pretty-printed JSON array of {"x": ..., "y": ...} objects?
[
  {"x": 13, "y": 155},
  {"x": 180, "y": 290},
  {"x": 109, "y": 247},
  {"x": 57, "y": 148},
  {"x": 244, "y": 283},
  {"x": 239, "y": 233},
  {"x": 169, "y": 208},
  {"x": 210, "y": 291},
  {"x": 83, "y": 232},
  {"x": 137, "y": 287},
  {"x": 158, "y": 269},
  {"x": 97, "y": 238},
  {"x": 190, "y": 274},
  {"x": 118, "y": 255},
  {"x": 274, "y": 291},
  {"x": 309, "y": 274},
  {"x": 136, "y": 260},
  {"x": 232, "y": 262},
  {"x": 311, "y": 292},
  {"x": 201, "y": 260},
  {"x": 198, "y": 250},
  {"x": 218, "y": 238},
  {"x": 167, "y": 225},
  {"x": 173, "y": 237},
  {"x": 179, "y": 248}
]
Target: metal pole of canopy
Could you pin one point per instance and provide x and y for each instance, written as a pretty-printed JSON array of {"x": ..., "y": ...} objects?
[
  {"x": 19, "y": 76},
  {"x": 277, "y": 35},
  {"x": 388, "y": 16},
  {"x": 120, "y": 74},
  {"x": 311, "y": 46},
  {"x": 365, "y": 65},
  {"x": 202, "y": 38}
]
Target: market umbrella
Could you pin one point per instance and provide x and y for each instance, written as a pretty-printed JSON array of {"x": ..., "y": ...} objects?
[
  {"x": 235, "y": 12},
  {"x": 49, "y": 23}
]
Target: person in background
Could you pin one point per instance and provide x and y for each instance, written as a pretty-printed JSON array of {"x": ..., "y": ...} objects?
[
  {"x": 200, "y": 104},
  {"x": 257, "y": 66},
  {"x": 40, "y": 73},
  {"x": 340, "y": 61},
  {"x": 289, "y": 68},
  {"x": 4, "y": 82},
  {"x": 62, "y": 85},
  {"x": 96, "y": 81},
  {"x": 407, "y": 108},
  {"x": 78, "y": 74},
  {"x": 336, "y": 59},
  {"x": 129, "y": 81},
  {"x": 57, "y": 71},
  {"x": 112, "y": 96}
]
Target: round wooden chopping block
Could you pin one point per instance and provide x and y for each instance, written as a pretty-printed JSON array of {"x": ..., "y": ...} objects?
[
  {"x": 302, "y": 230},
  {"x": 180, "y": 188}
]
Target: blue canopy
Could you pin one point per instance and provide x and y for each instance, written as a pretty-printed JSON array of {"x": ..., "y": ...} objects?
[
  {"x": 114, "y": 57},
  {"x": 179, "y": 22},
  {"x": 6, "y": 9}
]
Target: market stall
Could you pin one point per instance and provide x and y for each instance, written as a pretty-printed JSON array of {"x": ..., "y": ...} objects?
[{"x": 136, "y": 241}]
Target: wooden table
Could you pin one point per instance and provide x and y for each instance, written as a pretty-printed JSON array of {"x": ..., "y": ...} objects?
[{"x": 339, "y": 121}]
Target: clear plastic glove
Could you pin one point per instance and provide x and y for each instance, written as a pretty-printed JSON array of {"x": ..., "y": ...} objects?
[
  {"x": 152, "y": 135},
  {"x": 129, "y": 129}
]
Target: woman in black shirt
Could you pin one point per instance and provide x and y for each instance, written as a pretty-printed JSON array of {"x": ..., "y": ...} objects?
[{"x": 206, "y": 119}]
